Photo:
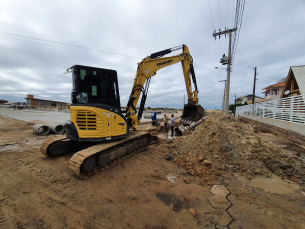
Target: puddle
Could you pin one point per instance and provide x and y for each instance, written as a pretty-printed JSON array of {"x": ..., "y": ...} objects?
[
  {"x": 295, "y": 148},
  {"x": 284, "y": 144},
  {"x": 172, "y": 199},
  {"x": 274, "y": 184},
  {"x": 11, "y": 129},
  {"x": 9, "y": 147}
]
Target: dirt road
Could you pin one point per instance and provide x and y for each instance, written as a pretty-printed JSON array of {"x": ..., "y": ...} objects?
[{"x": 132, "y": 192}]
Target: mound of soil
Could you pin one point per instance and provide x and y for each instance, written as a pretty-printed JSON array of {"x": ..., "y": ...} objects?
[{"x": 223, "y": 143}]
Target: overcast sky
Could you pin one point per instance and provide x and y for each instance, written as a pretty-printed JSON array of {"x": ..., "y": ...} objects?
[{"x": 271, "y": 38}]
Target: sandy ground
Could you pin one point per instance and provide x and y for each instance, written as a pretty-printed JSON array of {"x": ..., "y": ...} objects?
[{"x": 133, "y": 192}]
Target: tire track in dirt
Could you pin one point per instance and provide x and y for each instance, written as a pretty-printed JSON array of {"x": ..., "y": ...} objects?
[
  {"x": 36, "y": 174},
  {"x": 7, "y": 217},
  {"x": 31, "y": 167}
]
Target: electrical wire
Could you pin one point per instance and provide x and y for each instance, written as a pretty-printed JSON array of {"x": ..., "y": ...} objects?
[
  {"x": 228, "y": 14},
  {"x": 219, "y": 15},
  {"x": 65, "y": 44},
  {"x": 240, "y": 5},
  {"x": 211, "y": 15},
  {"x": 243, "y": 6},
  {"x": 232, "y": 12}
]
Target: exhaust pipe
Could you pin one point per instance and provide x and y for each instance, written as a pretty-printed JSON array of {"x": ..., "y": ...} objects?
[
  {"x": 56, "y": 128},
  {"x": 41, "y": 129}
]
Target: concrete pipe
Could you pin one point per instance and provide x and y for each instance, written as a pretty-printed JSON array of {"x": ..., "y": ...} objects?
[
  {"x": 56, "y": 128},
  {"x": 148, "y": 116},
  {"x": 41, "y": 129},
  {"x": 182, "y": 129}
]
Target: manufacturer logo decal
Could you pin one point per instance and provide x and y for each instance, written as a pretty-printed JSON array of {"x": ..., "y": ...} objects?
[{"x": 164, "y": 62}]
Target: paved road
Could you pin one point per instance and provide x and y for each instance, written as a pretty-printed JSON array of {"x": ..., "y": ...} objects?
[{"x": 44, "y": 117}]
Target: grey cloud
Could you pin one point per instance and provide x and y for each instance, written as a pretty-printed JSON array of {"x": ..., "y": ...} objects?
[{"x": 271, "y": 39}]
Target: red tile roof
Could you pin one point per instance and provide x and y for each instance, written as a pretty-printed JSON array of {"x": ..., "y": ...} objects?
[{"x": 275, "y": 85}]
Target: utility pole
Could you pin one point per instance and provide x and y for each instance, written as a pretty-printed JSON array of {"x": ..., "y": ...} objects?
[
  {"x": 253, "y": 95},
  {"x": 224, "y": 94},
  {"x": 235, "y": 100},
  {"x": 229, "y": 64}
]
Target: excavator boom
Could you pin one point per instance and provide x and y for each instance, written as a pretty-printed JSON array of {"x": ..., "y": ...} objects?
[{"x": 147, "y": 68}]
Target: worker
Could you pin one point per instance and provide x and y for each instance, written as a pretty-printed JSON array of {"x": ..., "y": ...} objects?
[
  {"x": 173, "y": 124},
  {"x": 154, "y": 119},
  {"x": 166, "y": 123}
]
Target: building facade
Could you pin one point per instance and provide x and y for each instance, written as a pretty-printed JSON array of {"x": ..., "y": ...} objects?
[
  {"x": 247, "y": 99},
  {"x": 274, "y": 91},
  {"x": 34, "y": 102},
  {"x": 295, "y": 82}
]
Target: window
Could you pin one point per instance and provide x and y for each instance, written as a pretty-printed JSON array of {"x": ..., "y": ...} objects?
[
  {"x": 82, "y": 74},
  {"x": 94, "y": 90},
  {"x": 115, "y": 95}
]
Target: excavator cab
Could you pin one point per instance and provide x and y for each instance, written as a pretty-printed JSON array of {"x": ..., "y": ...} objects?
[
  {"x": 95, "y": 112},
  {"x": 95, "y": 86}
]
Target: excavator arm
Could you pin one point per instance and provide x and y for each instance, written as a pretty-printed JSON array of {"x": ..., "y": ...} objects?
[{"x": 147, "y": 68}]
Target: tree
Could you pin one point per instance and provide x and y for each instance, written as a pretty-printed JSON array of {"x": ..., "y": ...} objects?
[{"x": 3, "y": 101}]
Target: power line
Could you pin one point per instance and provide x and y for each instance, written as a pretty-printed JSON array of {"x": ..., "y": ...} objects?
[
  {"x": 211, "y": 15},
  {"x": 228, "y": 14},
  {"x": 55, "y": 42},
  {"x": 240, "y": 4},
  {"x": 239, "y": 26},
  {"x": 232, "y": 11},
  {"x": 243, "y": 63},
  {"x": 240, "y": 74},
  {"x": 219, "y": 15}
]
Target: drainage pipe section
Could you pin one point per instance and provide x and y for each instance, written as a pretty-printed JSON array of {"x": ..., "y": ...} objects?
[
  {"x": 41, "y": 129},
  {"x": 148, "y": 116},
  {"x": 56, "y": 128},
  {"x": 182, "y": 129}
]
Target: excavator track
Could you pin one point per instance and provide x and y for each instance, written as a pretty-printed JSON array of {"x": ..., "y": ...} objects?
[
  {"x": 83, "y": 161},
  {"x": 56, "y": 146}
]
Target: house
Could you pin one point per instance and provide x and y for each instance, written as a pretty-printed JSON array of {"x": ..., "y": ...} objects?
[
  {"x": 33, "y": 102},
  {"x": 274, "y": 91},
  {"x": 295, "y": 82},
  {"x": 8, "y": 104},
  {"x": 247, "y": 99}
]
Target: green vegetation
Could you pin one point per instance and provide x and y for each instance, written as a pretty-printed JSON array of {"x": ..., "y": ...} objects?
[{"x": 3, "y": 101}]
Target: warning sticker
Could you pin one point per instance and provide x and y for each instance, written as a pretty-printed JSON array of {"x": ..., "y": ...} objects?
[{"x": 108, "y": 114}]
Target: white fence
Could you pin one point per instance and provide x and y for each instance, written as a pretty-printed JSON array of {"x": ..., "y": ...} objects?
[{"x": 290, "y": 109}]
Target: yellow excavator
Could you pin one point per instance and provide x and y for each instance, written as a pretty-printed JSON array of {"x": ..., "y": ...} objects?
[{"x": 96, "y": 120}]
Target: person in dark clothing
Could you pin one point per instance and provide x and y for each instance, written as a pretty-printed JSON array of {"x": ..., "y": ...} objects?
[
  {"x": 173, "y": 124},
  {"x": 154, "y": 119},
  {"x": 154, "y": 116}
]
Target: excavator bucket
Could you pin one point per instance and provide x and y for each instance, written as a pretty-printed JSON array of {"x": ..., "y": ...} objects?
[{"x": 193, "y": 112}]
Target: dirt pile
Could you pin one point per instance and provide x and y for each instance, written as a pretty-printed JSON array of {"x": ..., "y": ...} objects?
[{"x": 222, "y": 143}]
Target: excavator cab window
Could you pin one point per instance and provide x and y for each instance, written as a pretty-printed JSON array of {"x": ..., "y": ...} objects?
[{"x": 100, "y": 86}]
